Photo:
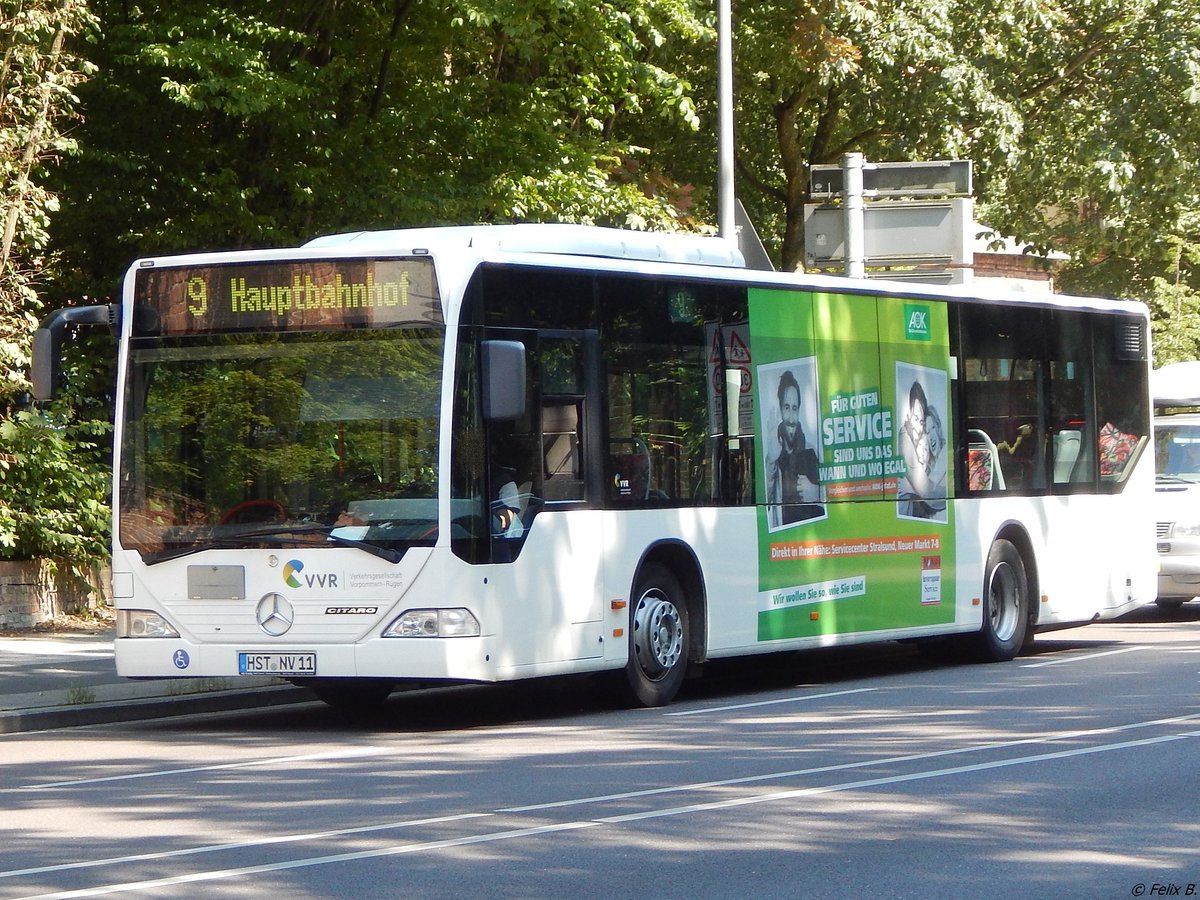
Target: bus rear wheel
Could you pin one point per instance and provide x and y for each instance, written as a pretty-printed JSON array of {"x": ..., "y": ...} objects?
[
  {"x": 1005, "y": 606},
  {"x": 658, "y": 637}
]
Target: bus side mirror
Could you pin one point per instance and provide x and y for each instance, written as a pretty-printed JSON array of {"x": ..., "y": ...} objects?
[
  {"x": 503, "y": 365},
  {"x": 46, "y": 369}
]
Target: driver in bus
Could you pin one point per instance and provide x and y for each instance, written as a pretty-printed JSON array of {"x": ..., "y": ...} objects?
[{"x": 506, "y": 508}]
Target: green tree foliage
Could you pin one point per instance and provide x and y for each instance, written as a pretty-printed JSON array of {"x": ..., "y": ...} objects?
[
  {"x": 38, "y": 74},
  {"x": 1106, "y": 167},
  {"x": 1174, "y": 299},
  {"x": 1080, "y": 116},
  {"x": 52, "y": 486},
  {"x": 50, "y": 504},
  {"x": 263, "y": 123},
  {"x": 1066, "y": 108},
  {"x": 892, "y": 79}
]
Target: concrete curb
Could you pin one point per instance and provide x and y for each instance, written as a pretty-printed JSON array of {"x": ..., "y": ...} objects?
[{"x": 13, "y": 721}]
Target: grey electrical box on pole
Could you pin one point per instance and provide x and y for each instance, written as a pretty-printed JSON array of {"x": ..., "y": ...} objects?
[
  {"x": 865, "y": 230},
  {"x": 895, "y": 233},
  {"x": 935, "y": 178}
]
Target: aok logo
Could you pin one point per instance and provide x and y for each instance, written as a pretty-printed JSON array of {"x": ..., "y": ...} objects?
[
  {"x": 916, "y": 322},
  {"x": 293, "y": 578}
]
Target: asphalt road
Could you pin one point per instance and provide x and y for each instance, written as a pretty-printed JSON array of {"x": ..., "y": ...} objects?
[{"x": 867, "y": 772}]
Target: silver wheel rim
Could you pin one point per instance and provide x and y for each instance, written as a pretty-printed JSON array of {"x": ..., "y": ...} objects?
[
  {"x": 657, "y": 634},
  {"x": 1003, "y": 601}
]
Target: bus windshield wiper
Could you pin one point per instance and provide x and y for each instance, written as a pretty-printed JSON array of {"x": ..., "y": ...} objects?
[
  {"x": 280, "y": 532},
  {"x": 390, "y": 555},
  {"x": 276, "y": 535}
]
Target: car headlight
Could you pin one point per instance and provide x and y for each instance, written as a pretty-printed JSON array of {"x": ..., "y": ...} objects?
[
  {"x": 1185, "y": 529},
  {"x": 457, "y": 622},
  {"x": 143, "y": 623}
]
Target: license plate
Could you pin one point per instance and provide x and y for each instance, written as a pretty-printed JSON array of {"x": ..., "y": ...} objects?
[{"x": 277, "y": 663}]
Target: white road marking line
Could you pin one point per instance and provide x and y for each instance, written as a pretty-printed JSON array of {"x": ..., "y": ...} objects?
[
  {"x": 35, "y": 647},
  {"x": 627, "y": 795},
  {"x": 800, "y": 699},
  {"x": 198, "y": 877},
  {"x": 247, "y": 764},
  {"x": 1075, "y": 659},
  {"x": 429, "y": 846},
  {"x": 861, "y": 764},
  {"x": 878, "y": 782},
  {"x": 239, "y": 845}
]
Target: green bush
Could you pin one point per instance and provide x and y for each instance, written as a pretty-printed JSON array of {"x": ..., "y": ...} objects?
[{"x": 53, "y": 489}]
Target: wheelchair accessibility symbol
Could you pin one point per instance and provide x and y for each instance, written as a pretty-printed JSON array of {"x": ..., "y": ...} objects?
[{"x": 181, "y": 659}]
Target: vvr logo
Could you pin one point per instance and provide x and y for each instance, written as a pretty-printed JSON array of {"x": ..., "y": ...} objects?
[
  {"x": 917, "y": 325},
  {"x": 290, "y": 570},
  {"x": 293, "y": 578}
]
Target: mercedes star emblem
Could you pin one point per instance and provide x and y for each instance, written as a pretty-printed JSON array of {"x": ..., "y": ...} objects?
[{"x": 275, "y": 614}]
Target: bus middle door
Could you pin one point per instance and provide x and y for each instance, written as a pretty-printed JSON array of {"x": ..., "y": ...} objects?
[{"x": 568, "y": 379}]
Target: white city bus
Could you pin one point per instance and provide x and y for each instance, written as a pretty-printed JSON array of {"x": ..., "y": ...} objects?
[{"x": 492, "y": 453}]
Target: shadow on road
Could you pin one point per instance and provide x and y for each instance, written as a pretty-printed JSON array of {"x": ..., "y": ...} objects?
[{"x": 427, "y": 708}]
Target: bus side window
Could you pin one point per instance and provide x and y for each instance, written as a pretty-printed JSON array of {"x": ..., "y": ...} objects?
[
  {"x": 561, "y": 451},
  {"x": 983, "y": 462},
  {"x": 1002, "y": 389},
  {"x": 1065, "y": 452},
  {"x": 1121, "y": 398},
  {"x": 629, "y": 470}
]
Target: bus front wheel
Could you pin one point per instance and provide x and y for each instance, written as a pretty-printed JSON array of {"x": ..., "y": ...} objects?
[
  {"x": 658, "y": 637},
  {"x": 1005, "y": 605}
]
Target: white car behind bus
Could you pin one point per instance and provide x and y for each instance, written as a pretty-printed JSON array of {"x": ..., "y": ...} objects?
[{"x": 1176, "y": 390}]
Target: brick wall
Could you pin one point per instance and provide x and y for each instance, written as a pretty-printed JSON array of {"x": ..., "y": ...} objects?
[{"x": 33, "y": 591}]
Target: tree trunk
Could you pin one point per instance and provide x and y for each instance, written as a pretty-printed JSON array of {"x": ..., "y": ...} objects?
[
  {"x": 398, "y": 16},
  {"x": 795, "y": 170}
]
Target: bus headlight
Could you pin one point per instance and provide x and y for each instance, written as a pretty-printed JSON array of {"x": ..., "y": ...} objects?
[
  {"x": 142, "y": 623},
  {"x": 434, "y": 623}
]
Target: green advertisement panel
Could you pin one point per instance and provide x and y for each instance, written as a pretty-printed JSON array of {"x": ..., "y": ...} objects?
[{"x": 855, "y": 530}]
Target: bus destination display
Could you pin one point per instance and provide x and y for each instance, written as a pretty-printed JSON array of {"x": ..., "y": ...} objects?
[{"x": 293, "y": 295}]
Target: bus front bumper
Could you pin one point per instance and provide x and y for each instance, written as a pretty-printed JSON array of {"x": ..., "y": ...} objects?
[{"x": 458, "y": 659}]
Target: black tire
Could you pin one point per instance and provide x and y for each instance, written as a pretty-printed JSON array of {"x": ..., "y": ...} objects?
[
  {"x": 1169, "y": 604},
  {"x": 355, "y": 695},
  {"x": 658, "y": 637},
  {"x": 1005, "y": 606}
]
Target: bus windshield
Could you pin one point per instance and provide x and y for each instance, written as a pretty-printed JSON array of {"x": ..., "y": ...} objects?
[
  {"x": 1177, "y": 451},
  {"x": 281, "y": 439}
]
